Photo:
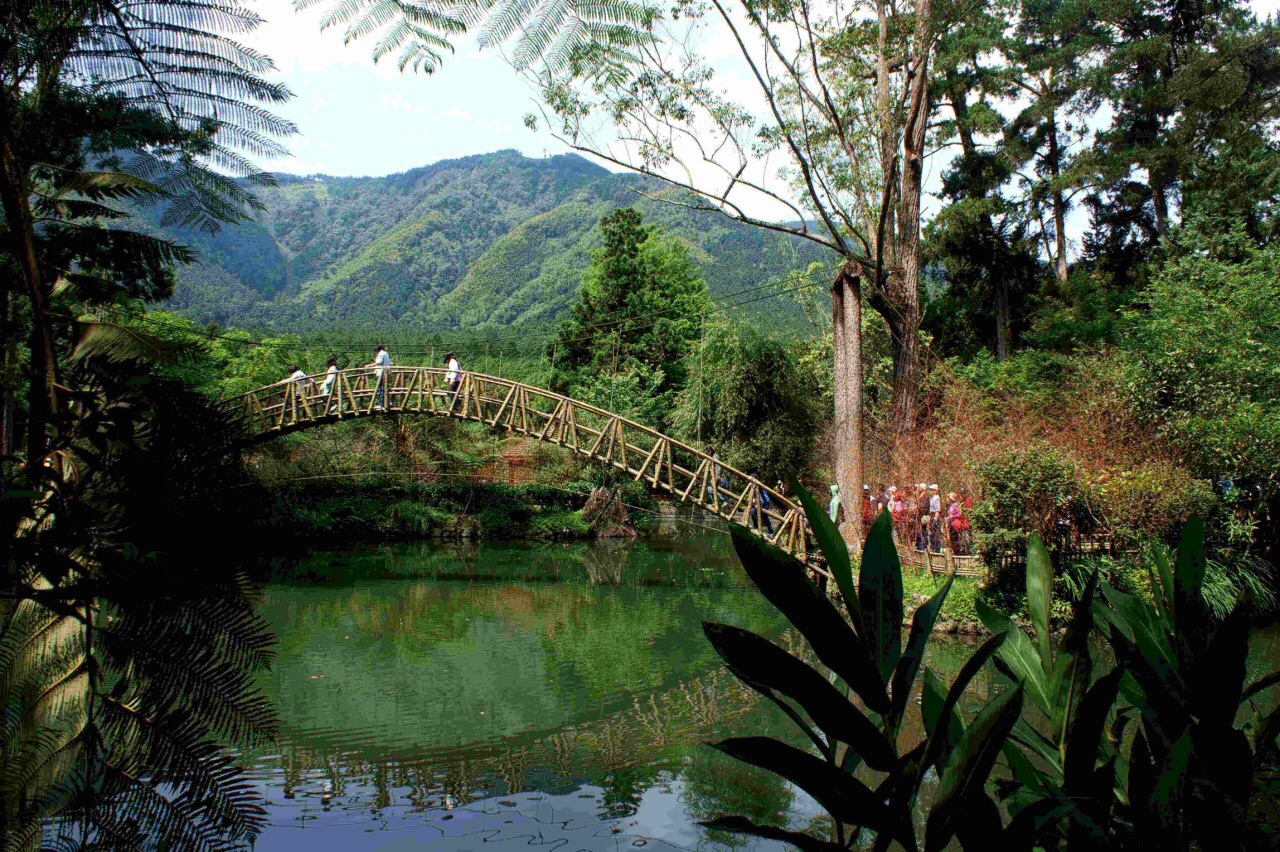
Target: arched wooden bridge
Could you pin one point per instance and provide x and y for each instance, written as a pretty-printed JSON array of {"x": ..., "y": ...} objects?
[{"x": 648, "y": 456}]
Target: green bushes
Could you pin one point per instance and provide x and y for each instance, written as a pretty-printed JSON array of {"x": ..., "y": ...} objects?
[
  {"x": 1024, "y": 491},
  {"x": 489, "y": 511},
  {"x": 558, "y": 523}
]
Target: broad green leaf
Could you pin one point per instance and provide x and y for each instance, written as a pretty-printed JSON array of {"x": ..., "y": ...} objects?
[
  {"x": 1261, "y": 685},
  {"x": 833, "y": 547},
  {"x": 1029, "y": 825},
  {"x": 1084, "y": 739},
  {"x": 1035, "y": 742},
  {"x": 783, "y": 582},
  {"x": 880, "y": 595},
  {"x": 844, "y": 797},
  {"x": 1040, "y": 597},
  {"x": 995, "y": 622},
  {"x": 965, "y": 777},
  {"x": 1163, "y": 594},
  {"x": 766, "y": 667},
  {"x": 1019, "y": 655},
  {"x": 1161, "y": 702},
  {"x": 1166, "y": 796},
  {"x": 1137, "y": 620},
  {"x": 1266, "y": 742},
  {"x": 1188, "y": 578},
  {"x": 1022, "y": 769},
  {"x": 934, "y": 753},
  {"x": 933, "y": 697},
  {"x": 1217, "y": 678},
  {"x": 904, "y": 676}
]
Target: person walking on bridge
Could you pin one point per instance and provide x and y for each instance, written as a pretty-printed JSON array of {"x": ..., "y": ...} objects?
[
  {"x": 381, "y": 368},
  {"x": 299, "y": 378},
  {"x": 762, "y": 503},
  {"x": 834, "y": 510},
  {"x": 936, "y": 519},
  {"x": 453, "y": 372},
  {"x": 716, "y": 482},
  {"x": 330, "y": 376}
]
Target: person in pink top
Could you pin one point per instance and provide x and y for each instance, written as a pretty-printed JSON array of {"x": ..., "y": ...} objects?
[{"x": 957, "y": 524}]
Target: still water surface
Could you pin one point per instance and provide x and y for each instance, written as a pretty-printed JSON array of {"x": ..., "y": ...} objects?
[{"x": 508, "y": 695}]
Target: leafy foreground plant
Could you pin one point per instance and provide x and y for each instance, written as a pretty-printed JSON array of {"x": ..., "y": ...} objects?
[
  {"x": 855, "y": 717},
  {"x": 1193, "y": 777},
  {"x": 129, "y": 643}
]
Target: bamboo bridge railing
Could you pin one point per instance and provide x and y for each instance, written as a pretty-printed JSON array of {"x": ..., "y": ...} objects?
[{"x": 646, "y": 455}]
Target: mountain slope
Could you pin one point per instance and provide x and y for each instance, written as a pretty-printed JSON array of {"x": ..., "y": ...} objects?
[{"x": 495, "y": 239}]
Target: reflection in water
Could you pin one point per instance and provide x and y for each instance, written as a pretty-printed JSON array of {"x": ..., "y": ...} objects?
[
  {"x": 517, "y": 694},
  {"x": 605, "y": 561}
]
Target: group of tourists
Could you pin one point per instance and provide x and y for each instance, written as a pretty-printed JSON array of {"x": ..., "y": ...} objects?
[
  {"x": 381, "y": 367},
  {"x": 922, "y": 517}
]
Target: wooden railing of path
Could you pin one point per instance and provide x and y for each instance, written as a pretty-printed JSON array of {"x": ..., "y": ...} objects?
[{"x": 648, "y": 456}]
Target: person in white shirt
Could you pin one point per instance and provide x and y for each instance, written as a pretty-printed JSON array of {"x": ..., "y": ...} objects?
[
  {"x": 452, "y": 378},
  {"x": 330, "y": 376},
  {"x": 935, "y": 518},
  {"x": 297, "y": 375},
  {"x": 381, "y": 365}
]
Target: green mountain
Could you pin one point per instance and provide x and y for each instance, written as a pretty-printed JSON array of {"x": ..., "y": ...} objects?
[{"x": 490, "y": 240}]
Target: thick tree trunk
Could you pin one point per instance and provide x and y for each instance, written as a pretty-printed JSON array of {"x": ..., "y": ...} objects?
[
  {"x": 8, "y": 377},
  {"x": 1004, "y": 338},
  {"x": 846, "y": 327},
  {"x": 41, "y": 398},
  {"x": 1058, "y": 201},
  {"x": 1160, "y": 199},
  {"x": 902, "y": 284}
]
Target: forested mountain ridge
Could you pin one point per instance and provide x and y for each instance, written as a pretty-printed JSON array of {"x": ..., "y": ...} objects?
[{"x": 493, "y": 239}]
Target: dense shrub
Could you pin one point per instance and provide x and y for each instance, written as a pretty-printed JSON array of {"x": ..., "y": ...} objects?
[
  {"x": 1147, "y": 502},
  {"x": 1024, "y": 491}
]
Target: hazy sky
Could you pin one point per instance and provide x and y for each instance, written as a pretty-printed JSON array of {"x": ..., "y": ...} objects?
[{"x": 356, "y": 118}]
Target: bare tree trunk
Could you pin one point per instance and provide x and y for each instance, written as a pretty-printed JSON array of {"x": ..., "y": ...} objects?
[
  {"x": 903, "y": 281},
  {"x": 8, "y": 374},
  {"x": 1058, "y": 201},
  {"x": 1004, "y": 338},
  {"x": 1160, "y": 198},
  {"x": 846, "y": 328}
]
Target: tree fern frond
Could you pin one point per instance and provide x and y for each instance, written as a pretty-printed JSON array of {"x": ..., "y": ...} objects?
[{"x": 122, "y": 343}]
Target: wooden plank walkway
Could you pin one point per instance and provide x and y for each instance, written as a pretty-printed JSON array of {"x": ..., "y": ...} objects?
[{"x": 661, "y": 462}]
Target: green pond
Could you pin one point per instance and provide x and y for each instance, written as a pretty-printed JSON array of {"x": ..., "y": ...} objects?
[{"x": 510, "y": 695}]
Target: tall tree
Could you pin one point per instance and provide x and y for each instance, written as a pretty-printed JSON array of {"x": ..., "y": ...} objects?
[
  {"x": 1045, "y": 54},
  {"x": 841, "y": 94},
  {"x": 638, "y": 314},
  {"x": 1192, "y": 85}
]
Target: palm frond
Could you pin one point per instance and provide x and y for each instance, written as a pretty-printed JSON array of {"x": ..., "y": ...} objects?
[
  {"x": 122, "y": 343},
  {"x": 552, "y": 32}
]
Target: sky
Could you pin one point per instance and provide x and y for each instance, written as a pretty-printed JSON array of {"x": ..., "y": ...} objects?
[{"x": 358, "y": 118}]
